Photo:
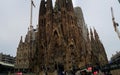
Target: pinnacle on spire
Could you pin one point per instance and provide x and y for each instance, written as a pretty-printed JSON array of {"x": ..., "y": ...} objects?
[
  {"x": 91, "y": 33},
  {"x": 49, "y": 5},
  {"x": 63, "y": 3},
  {"x": 42, "y": 9},
  {"x": 21, "y": 40},
  {"x": 70, "y": 5},
  {"x": 28, "y": 29},
  {"x": 57, "y": 5},
  {"x": 87, "y": 32},
  {"x": 60, "y": 4},
  {"x": 96, "y": 34},
  {"x": 88, "y": 35}
]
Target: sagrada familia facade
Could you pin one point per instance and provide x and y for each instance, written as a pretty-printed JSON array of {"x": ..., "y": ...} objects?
[{"x": 61, "y": 41}]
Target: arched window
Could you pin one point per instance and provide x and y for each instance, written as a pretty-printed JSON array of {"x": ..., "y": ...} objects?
[
  {"x": 71, "y": 46},
  {"x": 55, "y": 33}
]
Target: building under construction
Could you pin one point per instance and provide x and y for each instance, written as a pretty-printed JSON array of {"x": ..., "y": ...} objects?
[{"x": 60, "y": 43}]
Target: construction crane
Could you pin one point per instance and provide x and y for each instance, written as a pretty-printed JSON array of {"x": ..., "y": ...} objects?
[
  {"x": 115, "y": 24},
  {"x": 119, "y": 1}
]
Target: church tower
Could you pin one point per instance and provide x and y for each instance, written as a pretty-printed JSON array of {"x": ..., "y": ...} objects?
[
  {"x": 61, "y": 42},
  {"x": 41, "y": 36},
  {"x": 101, "y": 50}
]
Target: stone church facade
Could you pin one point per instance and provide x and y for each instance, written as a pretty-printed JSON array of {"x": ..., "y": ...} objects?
[{"x": 61, "y": 41}]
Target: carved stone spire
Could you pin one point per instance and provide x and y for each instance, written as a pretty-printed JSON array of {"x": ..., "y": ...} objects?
[
  {"x": 96, "y": 34},
  {"x": 91, "y": 34},
  {"x": 49, "y": 20},
  {"x": 41, "y": 36},
  {"x": 69, "y": 5},
  {"x": 49, "y": 5},
  {"x": 57, "y": 6},
  {"x": 21, "y": 40},
  {"x": 41, "y": 21},
  {"x": 63, "y": 3},
  {"x": 60, "y": 4},
  {"x": 89, "y": 50},
  {"x": 42, "y": 8}
]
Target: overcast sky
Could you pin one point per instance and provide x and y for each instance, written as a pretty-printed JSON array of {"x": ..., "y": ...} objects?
[{"x": 15, "y": 17}]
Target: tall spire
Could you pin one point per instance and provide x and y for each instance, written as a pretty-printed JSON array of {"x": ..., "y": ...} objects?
[
  {"x": 57, "y": 5},
  {"x": 49, "y": 20},
  {"x": 96, "y": 34},
  {"x": 63, "y": 3},
  {"x": 21, "y": 40},
  {"x": 41, "y": 21},
  {"x": 69, "y": 5},
  {"x": 87, "y": 33},
  {"x": 42, "y": 9},
  {"x": 60, "y": 3},
  {"x": 91, "y": 34},
  {"x": 49, "y": 5}
]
